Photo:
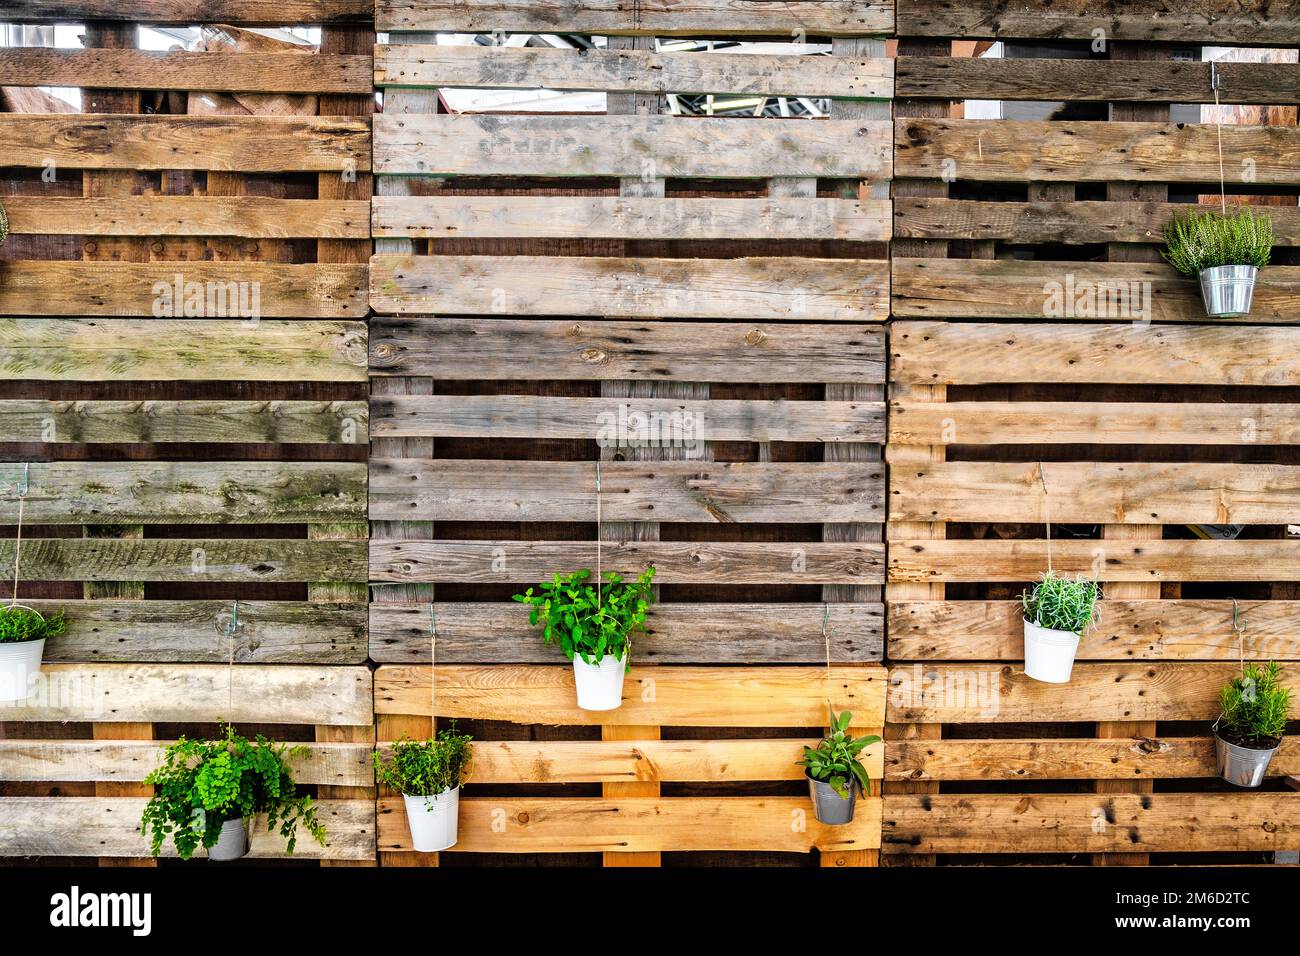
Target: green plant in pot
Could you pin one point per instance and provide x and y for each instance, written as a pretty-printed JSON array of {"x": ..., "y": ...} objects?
[
  {"x": 1057, "y": 612},
  {"x": 835, "y": 771},
  {"x": 1252, "y": 721},
  {"x": 593, "y": 625},
  {"x": 206, "y": 791},
  {"x": 23, "y": 633},
  {"x": 428, "y": 774},
  {"x": 1225, "y": 252}
]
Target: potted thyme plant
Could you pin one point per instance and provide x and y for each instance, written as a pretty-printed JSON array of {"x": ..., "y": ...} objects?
[
  {"x": 428, "y": 775},
  {"x": 206, "y": 791},
  {"x": 835, "y": 772},
  {"x": 23, "y": 632},
  {"x": 1252, "y": 721},
  {"x": 593, "y": 626},
  {"x": 1057, "y": 612},
  {"x": 1225, "y": 252}
]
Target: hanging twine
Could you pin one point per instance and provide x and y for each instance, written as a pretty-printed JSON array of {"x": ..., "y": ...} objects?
[
  {"x": 826, "y": 639},
  {"x": 1215, "y": 82},
  {"x": 21, "y": 491},
  {"x": 1047, "y": 514},
  {"x": 599, "y": 536},
  {"x": 1240, "y": 630},
  {"x": 433, "y": 663},
  {"x": 230, "y": 666}
]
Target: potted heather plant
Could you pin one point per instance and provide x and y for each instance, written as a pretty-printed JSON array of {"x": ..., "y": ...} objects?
[
  {"x": 1057, "y": 612},
  {"x": 835, "y": 772},
  {"x": 428, "y": 775},
  {"x": 1226, "y": 252},
  {"x": 23, "y": 632},
  {"x": 206, "y": 791},
  {"x": 1252, "y": 721},
  {"x": 593, "y": 626}
]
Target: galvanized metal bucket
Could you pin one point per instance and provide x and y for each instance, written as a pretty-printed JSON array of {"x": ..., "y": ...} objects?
[
  {"x": 828, "y": 806},
  {"x": 1227, "y": 290},
  {"x": 1242, "y": 766},
  {"x": 232, "y": 844}
]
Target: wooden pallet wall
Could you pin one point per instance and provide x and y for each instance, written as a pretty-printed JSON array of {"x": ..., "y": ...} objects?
[
  {"x": 542, "y": 283},
  {"x": 197, "y": 478},
  {"x": 1127, "y": 421}
]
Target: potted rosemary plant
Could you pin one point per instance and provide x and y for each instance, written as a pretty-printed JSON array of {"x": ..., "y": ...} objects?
[
  {"x": 1252, "y": 721},
  {"x": 1057, "y": 612},
  {"x": 1226, "y": 252},
  {"x": 23, "y": 632},
  {"x": 835, "y": 772},
  {"x": 428, "y": 775},
  {"x": 593, "y": 626},
  {"x": 206, "y": 791}
]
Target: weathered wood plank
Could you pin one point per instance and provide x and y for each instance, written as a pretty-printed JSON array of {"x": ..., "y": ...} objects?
[
  {"x": 246, "y": 13},
  {"x": 496, "y": 144},
  {"x": 687, "y": 633},
  {"x": 675, "y": 562},
  {"x": 815, "y": 290},
  {"x": 457, "y": 349},
  {"x": 669, "y": 696},
  {"x": 249, "y": 217}
]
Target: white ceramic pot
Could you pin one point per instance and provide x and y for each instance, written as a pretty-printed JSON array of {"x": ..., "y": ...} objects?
[
  {"x": 232, "y": 844},
  {"x": 433, "y": 820},
  {"x": 1049, "y": 654},
  {"x": 20, "y": 662},
  {"x": 600, "y": 686}
]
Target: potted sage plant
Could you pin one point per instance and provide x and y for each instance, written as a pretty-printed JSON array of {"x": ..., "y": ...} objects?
[
  {"x": 1225, "y": 252},
  {"x": 835, "y": 772},
  {"x": 1057, "y": 612},
  {"x": 1252, "y": 720},
  {"x": 428, "y": 775},
  {"x": 593, "y": 625},
  {"x": 23, "y": 632}
]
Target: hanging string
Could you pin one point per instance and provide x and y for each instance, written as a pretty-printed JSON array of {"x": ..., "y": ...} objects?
[
  {"x": 826, "y": 639},
  {"x": 1240, "y": 630},
  {"x": 230, "y": 667},
  {"x": 1047, "y": 514},
  {"x": 23, "y": 487},
  {"x": 599, "y": 535},
  {"x": 1215, "y": 82}
]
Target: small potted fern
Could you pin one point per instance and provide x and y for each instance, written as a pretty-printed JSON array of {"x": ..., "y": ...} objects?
[
  {"x": 207, "y": 791},
  {"x": 1225, "y": 252},
  {"x": 1057, "y": 612},
  {"x": 23, "y": 632},
  {"x": 593, "y": 626},
  {"x": 428, "y": 775},
  {"x": 835, "y": 772},
  {"x": 1252, "y": 721}
]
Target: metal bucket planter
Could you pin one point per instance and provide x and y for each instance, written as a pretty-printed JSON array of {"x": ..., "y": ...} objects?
[
  {"x": 1049, "y": 654},
  {"x": 1227, "y": 290},
  {"x": 1242, "y": 766},
  {"x": 600, "y": 686},
  {"x": 232, "y": 844},
  {"x": 20, "y": 662},
  {"x": 433, "y": 820},
  {"x": 828, "y": 806}
]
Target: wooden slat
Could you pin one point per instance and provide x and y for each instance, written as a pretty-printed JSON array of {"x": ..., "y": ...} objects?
[
  {"x": 952, "y": 353},
  {"x": 816, "y": 290},
  {"x": 136, "y": 288},
  {"x": 1170, "y": 629},
  {"x": 486, "y": 144},
  {"x": 669, "y": 696},
  {"x": 189, "y": 492},
  {"x": 631, "y": 71},
  {"x": 250, "y": 217},
  {"x": 675, "y": 562},
  {"x": 629, "y": 217},
  {"x": 246, "y": 13},
  {"x": 957, "y": 693},
  {"x": 687, "y": 633},
  {"x": 457, "y": 349},
  {"x": 1147, "y": 561},
  {"x": 1074, "y": 291},
  {"x": 675, "y": 491},
  {"x": 251, "y": 72},
  {"x": 115, "y": 761},
  {"x": 1073, "y": 823},
  {"x": 653, "y": 17},
  {"x": 109, "y": 827},
  {"x": 250, "y": 693},
  {"x": 227, "y": 143},
  {"x": 194, "y": 559}
]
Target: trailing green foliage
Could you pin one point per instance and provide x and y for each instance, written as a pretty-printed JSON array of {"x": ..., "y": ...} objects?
[
  {"x": 1204, "y": 241},
  {"x": 1062, "y": 604},
  {"x": 423, "y": 768},
  {"x": 203, "y": 783},
  {"x": 835, "y": 759},
  {"x": 18, "y": 624},
  {"x": 1254, "y": 707},
  {"x": 582, "y": 622}
]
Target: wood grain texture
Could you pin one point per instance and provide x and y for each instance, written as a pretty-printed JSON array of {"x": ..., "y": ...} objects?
[
  {"x": 248, "y": 217},
  {"x": 247, "y": 13}
]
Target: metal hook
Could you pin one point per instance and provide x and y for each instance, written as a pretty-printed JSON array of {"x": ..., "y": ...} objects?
[
  {"x": 24, "y": 485},
  {"x": 233, "y": 625},
  {"x": 598, "y": 477},
  {"x": 433, "y": 624},
  {"x": 1236, "y": 611},
  {"x": 826, "y": 620},
  {"x": 1216, "y": 81}
]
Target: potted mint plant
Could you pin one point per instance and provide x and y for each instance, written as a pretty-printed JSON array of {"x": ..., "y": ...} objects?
[
  {"x": 1225, "y": 252},
  {"x": 23, "y": 632},
  {"x": 1252, "y": 721},
  {"x": 835, "y": 772},
  {"x": 1057, "y": 612},
  {"x": 593, "y": 625},
  {"x": 428, "y": 775}
]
